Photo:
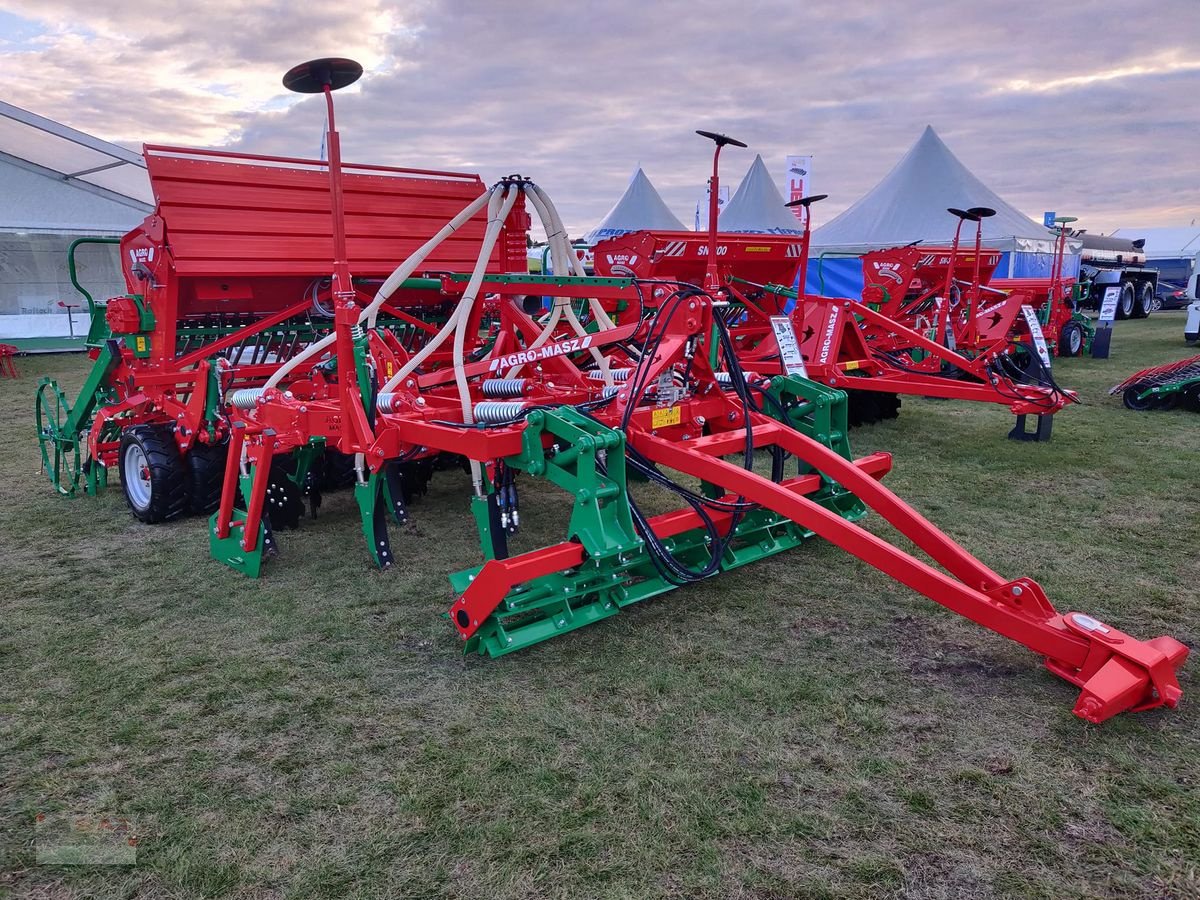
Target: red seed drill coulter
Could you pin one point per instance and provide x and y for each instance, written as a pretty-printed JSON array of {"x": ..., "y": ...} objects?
[{"x": 623, "y": 387}]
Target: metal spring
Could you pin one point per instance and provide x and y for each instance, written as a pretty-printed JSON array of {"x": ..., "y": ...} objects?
[
  {"x": 387, "y": 403},
  {"x": 617, "y": 374},
  {"x": 495, "y": 411},
  {"x": 724, "y": 379},
  {"x": 504, "y": 387},
  {"x": 245, "y": 398},
  {"x": 609, "y": 392},
  {"x": 356, "y": 332}
]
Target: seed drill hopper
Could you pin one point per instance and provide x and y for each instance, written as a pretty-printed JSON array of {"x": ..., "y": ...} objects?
[
  {"x": 627, "y": 387},
  {"x": 228, "y": 279}
]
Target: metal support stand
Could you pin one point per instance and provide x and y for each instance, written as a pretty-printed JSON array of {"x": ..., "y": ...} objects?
[{"x": 1040, "y": 433}]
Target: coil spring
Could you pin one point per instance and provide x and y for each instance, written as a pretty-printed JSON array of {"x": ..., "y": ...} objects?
[
  {"x": 495, "y": 411},
  {"x": 357, "y": 331},
  {"x": 504, "y": 387},
  {"x": 609, "y": 392},
  {"x": 245, "y": 398},
  {"x": 387, "y": 403},
  {"x": 724, "y": 379},
  {"x": 617, "y": 374}
]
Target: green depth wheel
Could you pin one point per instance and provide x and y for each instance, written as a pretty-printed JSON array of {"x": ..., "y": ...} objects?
[{"x": 59, "y": 443}]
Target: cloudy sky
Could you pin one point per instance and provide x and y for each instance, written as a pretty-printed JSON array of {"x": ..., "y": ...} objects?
[{"x": 1088, "y": 108}]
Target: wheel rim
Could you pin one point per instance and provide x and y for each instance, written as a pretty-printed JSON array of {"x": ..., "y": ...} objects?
[
  {"x": 1074, "y": 341},
  {"x": 1132, "y": 401},
  {"x": 60, "y": 449},
  {"x": 1127, "y": 300},
  {"x": 136, "y": 477}
]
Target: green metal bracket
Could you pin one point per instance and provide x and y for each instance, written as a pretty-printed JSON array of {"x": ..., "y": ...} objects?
[
  {"x": 600, "y": 519},
  {"x": 229, "y": 550}
]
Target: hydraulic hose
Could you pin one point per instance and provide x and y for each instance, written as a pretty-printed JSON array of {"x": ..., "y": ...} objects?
[
  {"x": 452, "y": 323},
  {"x": 564, "y": 256},
  {"x": 403, "y": 271},
  {"x": 406, "y": 268}
]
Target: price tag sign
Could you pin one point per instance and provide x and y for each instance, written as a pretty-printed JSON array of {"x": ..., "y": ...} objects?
[
  {"x": 1035, "y": 331},
  {"x": 1108, "y": 306},
  {"x": 789, "y": 347}
]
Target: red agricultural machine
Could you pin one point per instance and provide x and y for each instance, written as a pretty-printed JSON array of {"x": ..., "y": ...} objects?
[
  {"x": 624, "y": 388},
  {"x": 891, "y": 342}
]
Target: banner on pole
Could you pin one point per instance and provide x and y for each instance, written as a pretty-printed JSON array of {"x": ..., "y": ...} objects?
[
  {"x": 799, "y": 181},
  {"x": 702, "y": 207}
]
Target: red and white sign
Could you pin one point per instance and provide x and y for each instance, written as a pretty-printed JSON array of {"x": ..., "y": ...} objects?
[{"x": 798, "y": 180}]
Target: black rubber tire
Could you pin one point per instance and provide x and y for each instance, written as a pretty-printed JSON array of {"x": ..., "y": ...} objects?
[
  {"x": 1191, "y": 398},
  {"x": 337, "y": 470},
  {"x": 1131, "y": 401},
  {"x": 1145, "y": 300},
  {"x": 206, "y": 470},
  {"x": 1127, "y": 302},
  {"x": 169, "y": 484},
  {"x": 1070, "y": 340}
]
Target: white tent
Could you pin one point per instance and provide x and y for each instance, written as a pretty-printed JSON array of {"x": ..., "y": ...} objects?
[
  {"x": 910, "y": 204},
  {"x": 58, "y": 184},
  {"x": 639, "y": 209},
  {"x": 757, "y": 207}
]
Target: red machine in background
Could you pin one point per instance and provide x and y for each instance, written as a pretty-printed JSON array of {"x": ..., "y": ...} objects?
[{"x": 878, "y": 347}]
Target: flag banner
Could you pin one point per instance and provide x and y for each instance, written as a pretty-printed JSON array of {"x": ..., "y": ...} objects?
[
  {"x": 702, "y": 207},
  {"x": 798, "y": 181}
]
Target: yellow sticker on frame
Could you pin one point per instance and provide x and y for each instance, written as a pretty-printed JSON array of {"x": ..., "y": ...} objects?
[{"x": 661, "y": 418}]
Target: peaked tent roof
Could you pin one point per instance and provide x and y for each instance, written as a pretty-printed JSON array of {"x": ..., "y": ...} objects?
[
  {"x": 910, "y": 204},
  {"x": 757, "y": 207},
  {"x": 639, "y": 209}
]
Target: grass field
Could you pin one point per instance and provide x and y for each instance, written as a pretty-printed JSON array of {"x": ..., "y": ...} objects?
[{"x": 802, "y": 727}]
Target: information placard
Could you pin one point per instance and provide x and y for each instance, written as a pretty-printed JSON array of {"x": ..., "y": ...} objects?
[
  {"x": 1108, "y": 306},
  {"x": 789, "y": 347},
  {"x": 1035, "y": 331}
]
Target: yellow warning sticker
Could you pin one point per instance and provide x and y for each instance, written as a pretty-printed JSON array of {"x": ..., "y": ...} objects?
[
  {"x": 141, "y": 345},
  {"x": 661, "y": 418},
  {"x": 852, "y": 365}
]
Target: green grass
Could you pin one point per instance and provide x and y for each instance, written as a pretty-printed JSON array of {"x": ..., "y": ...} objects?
[{"x": 800, "y": 727}]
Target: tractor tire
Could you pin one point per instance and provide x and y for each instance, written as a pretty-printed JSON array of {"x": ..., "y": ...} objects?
[
  {"x": 1070, "y": 340},
  {"x": 1131, "y": 401},
  {"x": 153, "y": 474},
  {"x": 1145, "y": 300},
  {"x": 1127, "y": 302},
  {"x": 206, "y": 469}
]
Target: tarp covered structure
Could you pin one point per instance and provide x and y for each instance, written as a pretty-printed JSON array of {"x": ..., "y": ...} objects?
[
  {"x": 757, "y": 206},
  {"x": 640, "y": 208},
  {"x": 1170, "y": 250},
  {"x": 910, "y": 204},
  {"x": 1165, "y": 243},
  {"x": 59, "y": 184}
]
